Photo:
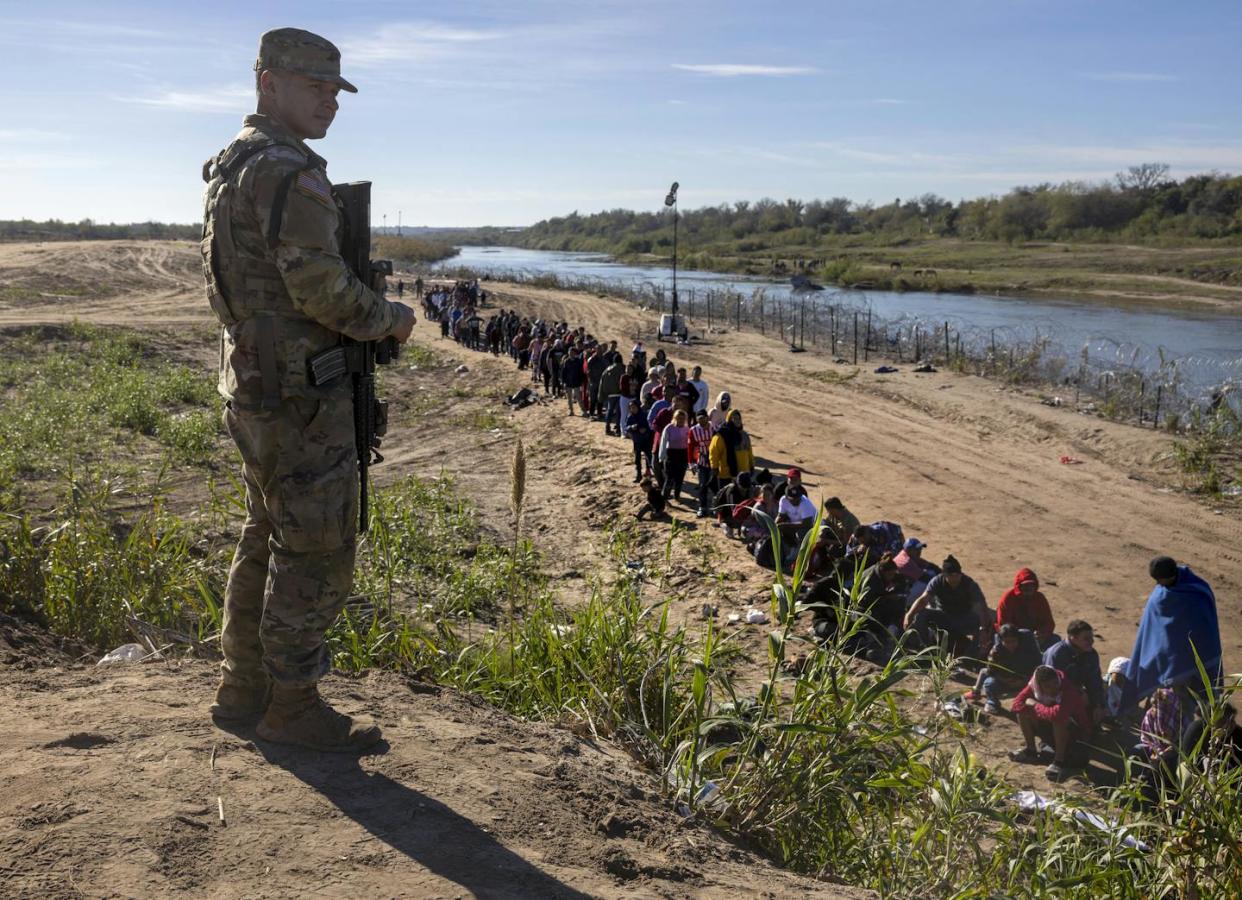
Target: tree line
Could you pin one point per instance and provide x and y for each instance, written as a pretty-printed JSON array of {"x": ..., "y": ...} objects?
[
  {"x": 1140, "y": 204},
  {"x": 90, "y": 230},
  {"x": 400, "y": 249}
]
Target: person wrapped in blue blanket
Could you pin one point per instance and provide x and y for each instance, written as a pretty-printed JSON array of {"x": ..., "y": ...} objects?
[{"x": 1179, "y": 624}]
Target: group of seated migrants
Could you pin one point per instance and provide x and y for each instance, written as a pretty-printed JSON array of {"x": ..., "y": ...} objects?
[{"x": 690, "y": 449}]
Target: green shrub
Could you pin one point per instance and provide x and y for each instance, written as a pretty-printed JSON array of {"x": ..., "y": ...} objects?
[
  {"x": 129, "y": 401},
  {"x": 192, "y": 437}
]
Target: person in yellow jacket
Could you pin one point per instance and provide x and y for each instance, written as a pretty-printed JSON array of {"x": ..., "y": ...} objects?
[{"x": 730, "y": 452}]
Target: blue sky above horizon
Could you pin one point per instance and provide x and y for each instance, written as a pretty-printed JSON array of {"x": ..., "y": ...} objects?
[{"x": 487, "y": 112}]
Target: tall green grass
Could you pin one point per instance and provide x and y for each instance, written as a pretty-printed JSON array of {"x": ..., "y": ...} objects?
[
  {"x": 93, "y": 573},
  {"x": 826, "y": 769}
]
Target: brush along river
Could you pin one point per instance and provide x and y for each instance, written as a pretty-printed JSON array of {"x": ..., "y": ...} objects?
[{"x": 1196, "y": 352}]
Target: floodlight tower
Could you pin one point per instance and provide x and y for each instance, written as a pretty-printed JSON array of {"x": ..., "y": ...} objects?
[{"x": 671, "y": 200}]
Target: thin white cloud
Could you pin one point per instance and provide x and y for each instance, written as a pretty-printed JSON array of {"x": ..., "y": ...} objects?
[
  {"x": 737, "y": 70},
  {"x": 1130, "y": 76},
  {"x": 221, "y": 100},
  {"x": 900, "y": 159},
  {"x": 89, "y": 29},
  {"x": 763, "y": 154},
  {"x": 104, "y": 41},
  {"x": 30, "y": 135},
  {"x": 1027, "y": 160},
  {"x": 888, "y": 101},
  {"x": 413, "y": 42}
]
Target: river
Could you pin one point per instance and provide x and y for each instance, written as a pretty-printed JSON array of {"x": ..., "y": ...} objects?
[{"x": 1206, "y": 346}]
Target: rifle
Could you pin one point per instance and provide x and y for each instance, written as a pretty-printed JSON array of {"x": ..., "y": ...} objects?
[{"x": 360, "y": 358}]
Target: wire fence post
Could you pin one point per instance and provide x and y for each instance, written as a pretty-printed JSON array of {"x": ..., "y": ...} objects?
[
  {"x": 947, "y": 358},
  {"x": 1155, "y": 419},
  {"x": 855, "y": 337},
  {"x": 737, "y": 315},
  {"x": 832, "y": 323}
]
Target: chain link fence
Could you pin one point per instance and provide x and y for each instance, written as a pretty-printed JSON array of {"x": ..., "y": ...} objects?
[{"x": 1114, "y": 378}]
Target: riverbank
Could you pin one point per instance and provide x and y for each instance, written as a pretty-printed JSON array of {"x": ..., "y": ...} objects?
[{"x": 1198, "y": 278}]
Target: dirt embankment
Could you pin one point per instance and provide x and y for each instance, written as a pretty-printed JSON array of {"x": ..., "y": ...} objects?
[
  {"x": 966, "y": 464},
  {"x": 114, "y": 782}
]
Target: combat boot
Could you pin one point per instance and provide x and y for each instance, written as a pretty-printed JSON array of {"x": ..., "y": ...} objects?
[
  {"x": 298, "y": 716},
  {"x": 238, "y": 704}
]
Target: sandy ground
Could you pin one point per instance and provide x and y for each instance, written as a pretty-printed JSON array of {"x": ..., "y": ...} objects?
[
  {"x": 113, "y": 783},
  {"x": 959, "y": 461}
]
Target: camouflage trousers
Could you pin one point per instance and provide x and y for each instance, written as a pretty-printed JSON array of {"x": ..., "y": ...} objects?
[{"x": 294, "y": 564}]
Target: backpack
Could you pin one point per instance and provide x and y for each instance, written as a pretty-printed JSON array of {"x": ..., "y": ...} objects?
[
  {"x": 762, "y": 551},
  {"x": 522, "y": 399}
]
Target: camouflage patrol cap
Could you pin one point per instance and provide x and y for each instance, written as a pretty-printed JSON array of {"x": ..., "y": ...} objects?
[{"x": 301, "y": 52}]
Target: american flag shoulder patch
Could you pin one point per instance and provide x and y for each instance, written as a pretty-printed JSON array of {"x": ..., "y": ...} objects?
[{"x": 313, "y": 184}]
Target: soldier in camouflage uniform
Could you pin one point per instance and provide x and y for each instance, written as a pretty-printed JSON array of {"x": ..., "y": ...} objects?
[{"x": 277, "y": 282}]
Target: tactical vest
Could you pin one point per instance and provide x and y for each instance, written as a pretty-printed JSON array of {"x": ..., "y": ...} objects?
[
  {"x": 266, "y": 340},
  {"x": 238, "y": 285}
]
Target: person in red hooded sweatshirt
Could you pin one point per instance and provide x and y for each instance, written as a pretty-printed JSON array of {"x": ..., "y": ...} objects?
[{"x": 1025, "y": 605}]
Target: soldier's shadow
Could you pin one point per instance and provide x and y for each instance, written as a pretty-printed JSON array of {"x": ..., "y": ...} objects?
[{"x": 421, "y": 827}]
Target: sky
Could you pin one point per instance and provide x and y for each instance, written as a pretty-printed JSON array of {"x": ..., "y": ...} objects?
[{"x": 505, "y": 112}]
